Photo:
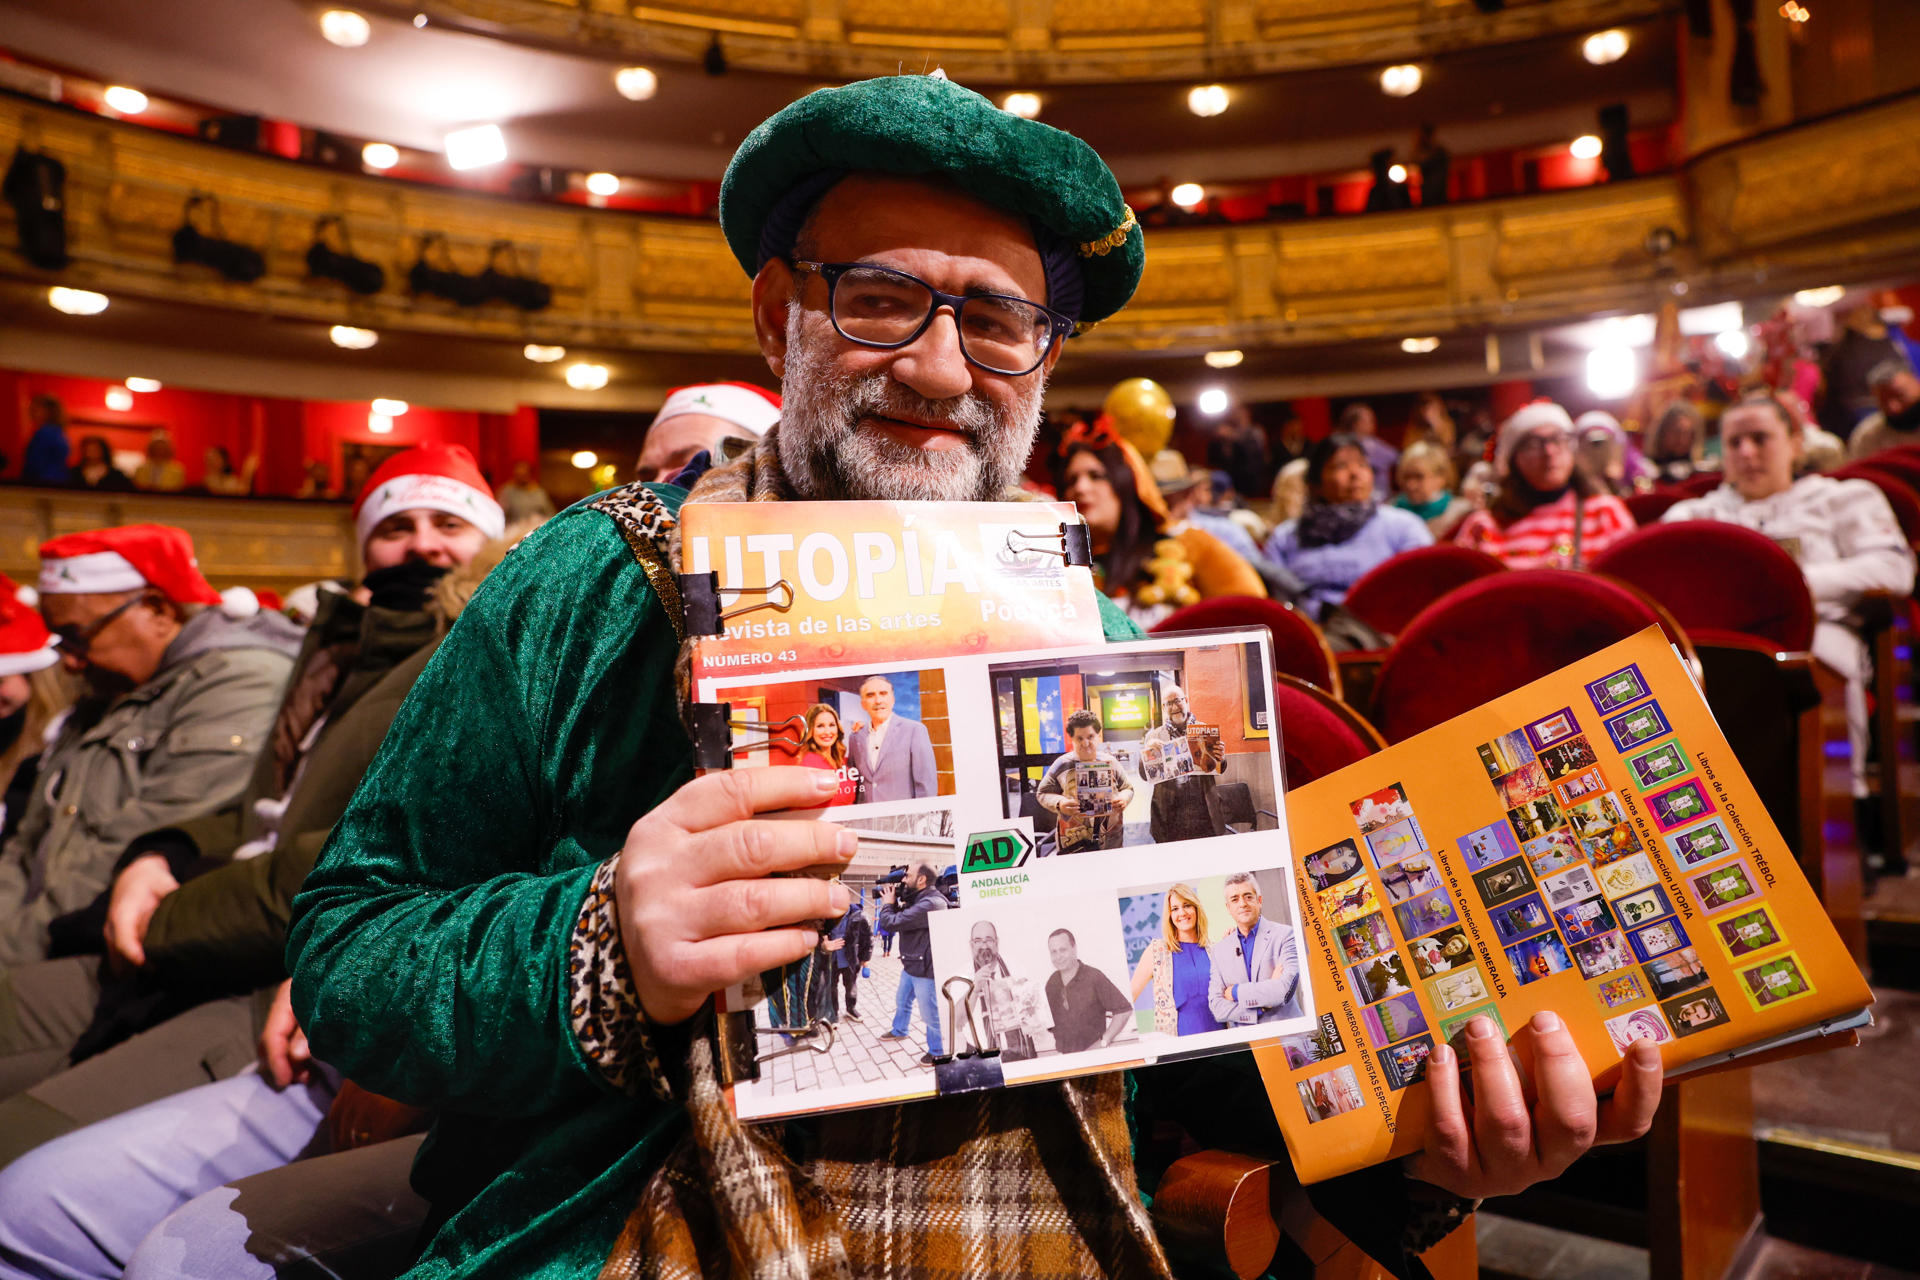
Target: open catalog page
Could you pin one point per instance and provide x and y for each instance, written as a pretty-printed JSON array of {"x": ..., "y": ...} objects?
[{"x": 1030, "y": 904}]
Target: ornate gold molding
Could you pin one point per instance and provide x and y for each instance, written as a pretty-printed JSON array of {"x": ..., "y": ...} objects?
[{"x": 1832, "y": 200}]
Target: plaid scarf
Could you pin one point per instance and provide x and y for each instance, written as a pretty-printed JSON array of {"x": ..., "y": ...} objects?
[{"x": 1034, "y": 1182}]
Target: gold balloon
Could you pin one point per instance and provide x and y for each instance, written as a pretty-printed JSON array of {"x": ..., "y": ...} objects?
[{"x": 1142, "y": 413}]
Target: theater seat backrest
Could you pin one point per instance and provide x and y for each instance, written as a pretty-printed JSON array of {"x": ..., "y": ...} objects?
[
  {"x": 1392, "y": 593},
  {"x": 1298, "y": 647},
  {"x": 1900, "y": 495},
  {"x": 1647, "y": 508},
  {"x": 1715, "y": 577},
  {"x": 1318, "y": 733}
]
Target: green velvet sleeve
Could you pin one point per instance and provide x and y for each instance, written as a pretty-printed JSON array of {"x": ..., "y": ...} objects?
[{"x": 429, "y": 945}]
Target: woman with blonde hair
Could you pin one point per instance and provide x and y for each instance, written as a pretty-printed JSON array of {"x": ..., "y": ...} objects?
[
  {"x": 825, "y": 747},
  {"x": 1179, "y": 966},
  {"x": 1426, "y": 475}
]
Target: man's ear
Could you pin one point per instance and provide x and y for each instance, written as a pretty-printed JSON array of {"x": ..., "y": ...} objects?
[{"x": 772, "y": 296}]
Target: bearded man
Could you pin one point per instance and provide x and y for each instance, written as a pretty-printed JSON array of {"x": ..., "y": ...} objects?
[{"x": 525, "y": 912}]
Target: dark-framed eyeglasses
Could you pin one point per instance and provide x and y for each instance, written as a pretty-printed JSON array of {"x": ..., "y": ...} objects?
[
  {"x": 887, "y": 309},
  {"x": 76, "y": 640}
]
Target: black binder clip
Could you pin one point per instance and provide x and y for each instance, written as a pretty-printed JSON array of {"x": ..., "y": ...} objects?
[
  {"x": 700, "y": 594},
  {"x": 711, "y": 726},
  {"x": 976, "y": 1068},
  {"x": 1073, "y": 544}
]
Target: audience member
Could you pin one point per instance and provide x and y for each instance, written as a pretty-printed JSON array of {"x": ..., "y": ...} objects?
[
  {"x": 1896, "y": 420},
  {"x": 1431, "y": 423},
  {"x": 1863, "y": 346},
  {"x": 1189, "y": 498},
  {"x": 904, "y": 908},
  {"x": 702, "y": 419},
  {"x": 47, "y": 447},
  {"x": 1290, "y": 441},
  {"x": 194, "y": 688},
  {"x": 161, "y": 472},
  {"x": 522, "y": 498},
  {"x": 95, "y": 470},
  {"x": 1146, "y": 567},
  {"x": 1842, "y": 532},
  {"x": 1289, "y": 492},
  {"x": 354, "y": 476},
  {"x": 1606, "y": 454},
  {"x": 1547, "y": 512},
  {"x": 1357, "y": 421},
  {"x": 1674, "y": 449},
  {"x": 1344, "y": 531},
  {"x": 1385, "y": 194},
  {"x": 219, "y": 475},
  {"x": 1239, "y": 447},
  {"x": 1426, "y": 479},
  {"x": 317, "y": 484},
  {"x": 1435, "y": 163},
  {"x": 1081, "y": 822},
  {"x": 32, "y": 694}
]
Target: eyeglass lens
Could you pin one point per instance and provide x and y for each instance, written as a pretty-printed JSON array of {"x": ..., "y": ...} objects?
[{"x": 885, "y": 309}]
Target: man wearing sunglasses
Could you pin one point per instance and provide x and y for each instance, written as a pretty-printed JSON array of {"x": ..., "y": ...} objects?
[
  {"x": 177, "y": 699},
  {"x": 526, "y": 909}
]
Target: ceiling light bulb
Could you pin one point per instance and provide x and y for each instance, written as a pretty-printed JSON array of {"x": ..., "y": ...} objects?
[
  {"x": 1214, "y": 401},
  {"x": 345, "y": 28},
  {"x": 586, "y": 459},
  {"x": 1612, "y": 372},
  {"x": 143, "y": 385},
  {"x": 603, "y": 184},
  {"x": 542, "y": 355},
  {"x": 345, "y": 335},
  {"x": 76, "y": 302},
  {"x": 1603, "y": 47},
  {"x": 1585, "y": 147},
  {"x": 128, "y": 102},
  {"x": 477, "y": 147},
  {"x": 380, "y": 155},
  {"x": 586, "y": 377},
  {"x": 1733, "y": 343},
  {"x": 1398, "y": 82},
  {"x": 1224, "y": 359},
  {"x": 1207, "y": 99},
  {"x": 1419, "y": 346},
  {"x": 379, "y": 423},
  {"x": 1824, "y": 296},
  {"x": 1188, "y": 195},
  {"x": 419, "y": 20},
  {"x": 119, "y": 399},
  {"x": 1397, "y": 173},
  {"x": 1024, "y": 105},
  {"x": 636, "y": 84},
  {"x": 390, "y": 408}
]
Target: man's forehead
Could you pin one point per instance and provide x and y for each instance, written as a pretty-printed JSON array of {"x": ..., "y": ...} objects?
[{"x": 929, "y": 227}]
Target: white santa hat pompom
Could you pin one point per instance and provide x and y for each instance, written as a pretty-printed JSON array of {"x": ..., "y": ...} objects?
[
  {"x": 28, "y": 597},
  {"x": 239, "y": 603}
]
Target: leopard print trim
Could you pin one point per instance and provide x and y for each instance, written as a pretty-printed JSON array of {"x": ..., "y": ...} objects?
[
  {"x": 602, "y": 1004},
  {"x": 647, "y": 526}
]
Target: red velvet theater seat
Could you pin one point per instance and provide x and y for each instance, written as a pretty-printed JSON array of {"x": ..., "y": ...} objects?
[
  {"x": 1717, "y": 578},
  {"x": 1319, "y": 734},
  {"x": 1899, "y": 462},
  {"x": 1494, "y": 635},
  {"x": 1900, "y": 495},
  {"x": 1298, "y": 647},
  {"x": 1648, "y": 507},
  {"x": 1700, "y": 482},
  {"x": 1389, "y": 595}
]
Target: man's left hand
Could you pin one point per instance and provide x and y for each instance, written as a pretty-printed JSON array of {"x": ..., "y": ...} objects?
[
  {"x": 1494, "y": 1145},
  {"x": 137, "y": 892}
]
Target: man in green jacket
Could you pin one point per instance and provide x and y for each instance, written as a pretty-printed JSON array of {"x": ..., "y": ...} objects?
[{"x": 527, "y": 906}]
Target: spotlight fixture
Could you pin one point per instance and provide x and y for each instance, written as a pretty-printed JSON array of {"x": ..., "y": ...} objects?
[
  {"x": 76, "y": 302},
  {"x": 1419, "y": 346},
  {"x": 586, "y": 377},
  {"x": 390, "y": 408},
  {"x": 1224, "y": 359},
  {"x": 380, "y": 155},
  {"x": 1024, "y": 105},
  {"x": 476, "y": 148},
  {"x": 1612, "y": 372},
  {"x": 543, "y": 355},
  {"x": 143, "y": 385},
  {"x": 1398, "y": 173},
  {"x": 379, "y": 423},
  {"x": 1585, "y": 147},
  {"x": 1214, "y": 401},
  {"x": 1207, "y": 99},
  {"x": 603, "y": 184},
  {"x": 714, "y": 62},
  {"x": 1824, "y": 296},
  {"x": 1400, "y": 81},
  {"x": 345, "y": 335},
  {"x": 345, "y": 28},
  {"x": 119, "y": 399},
  {"x": 636, "y": 84},
  {"x": 585, "y": 459},
  {"x": 1603, "y": 47},
  {"x": 128, "y": 102},
  {"x": 1188, "y": 195}
]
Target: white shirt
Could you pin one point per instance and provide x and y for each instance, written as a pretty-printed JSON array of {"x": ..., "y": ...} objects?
[{"x": 875, "y": 732}]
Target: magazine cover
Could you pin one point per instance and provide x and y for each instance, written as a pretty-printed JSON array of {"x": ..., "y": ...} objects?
[{"x": 1587, "y": 844}]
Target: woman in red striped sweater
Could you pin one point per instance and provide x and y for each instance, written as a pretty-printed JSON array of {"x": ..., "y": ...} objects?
[{"x": 1547, "y": 513}]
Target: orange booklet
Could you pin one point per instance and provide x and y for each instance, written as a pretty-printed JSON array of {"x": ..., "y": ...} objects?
[{"x": 1586, "y": 844}]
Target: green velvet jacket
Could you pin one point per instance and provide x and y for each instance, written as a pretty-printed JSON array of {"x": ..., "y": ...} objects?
[{"x": 429, "y": 945}]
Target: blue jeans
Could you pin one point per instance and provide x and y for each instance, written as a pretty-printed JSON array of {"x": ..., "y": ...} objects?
[{"x": 917, "y": 991}]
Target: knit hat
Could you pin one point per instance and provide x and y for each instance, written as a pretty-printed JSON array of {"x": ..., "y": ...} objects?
[
  {"x": 25, "y": 643},
  {"x": 750, "y": 408},
  {"x": 1527, "y": 419},
  {"x": 436, "y": 477},
  {"x": 127, "y": 558}
]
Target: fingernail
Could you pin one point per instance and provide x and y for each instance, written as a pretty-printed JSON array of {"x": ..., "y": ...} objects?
[
  {"x": 1647, "y": 1052},
  {"x": 846, "y": 844},
  {"x": 812, "y": 936},
  {"x": 825, "y": 780},
  {"x": 1442, "y": 1055},
  {"x": 1481, "y": 1028},
  {"x": 1546, "y": 1020},
  {"x": 842, "y": 897}
]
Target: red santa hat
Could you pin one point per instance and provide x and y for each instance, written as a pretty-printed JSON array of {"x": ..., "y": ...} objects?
[
  {"x": 25, "y": 643},
  {"x": 130, "y": 557},
  {"x": 436, "y": 477},
  {"x": 752, "y": 409},
  {"x": 1528, "y": 418}
]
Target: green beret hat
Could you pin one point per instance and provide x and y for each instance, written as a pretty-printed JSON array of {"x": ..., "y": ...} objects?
[{"x": 916, "y": 125}]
